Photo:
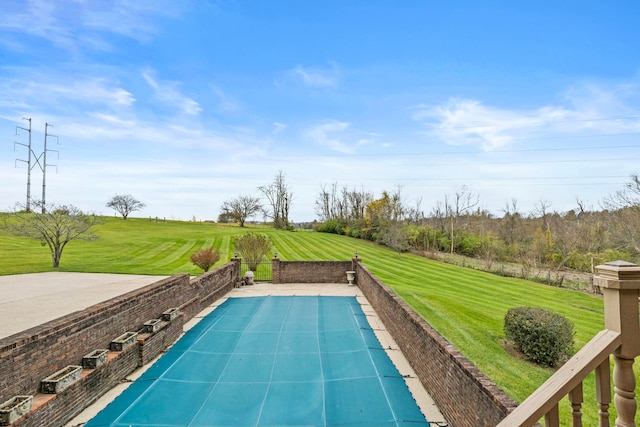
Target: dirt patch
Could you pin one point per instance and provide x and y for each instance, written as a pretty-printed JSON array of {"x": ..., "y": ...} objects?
[
  {"x": 563, "y": 278},
  {"x": 516, "y": 354}
]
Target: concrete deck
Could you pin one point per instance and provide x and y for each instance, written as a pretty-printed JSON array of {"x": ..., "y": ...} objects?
[{"x": 28, "y": 300}]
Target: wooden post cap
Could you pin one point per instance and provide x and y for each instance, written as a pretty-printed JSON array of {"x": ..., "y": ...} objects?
[{"x": 617, "y": 275}]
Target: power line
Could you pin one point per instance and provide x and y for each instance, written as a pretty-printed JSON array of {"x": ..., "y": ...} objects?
[
  {"x": 539, "y": 123},
  {"x": 517, "y": 150}
]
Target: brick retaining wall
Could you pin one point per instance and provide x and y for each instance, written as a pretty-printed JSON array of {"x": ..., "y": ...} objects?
[
  {"x": 28, "y": 357},
  {"x": 310, "y": 271},
  {"x": 464, "y": 395}
]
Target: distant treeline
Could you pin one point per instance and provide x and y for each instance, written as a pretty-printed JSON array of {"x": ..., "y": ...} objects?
[{"x": 578, "y": 239}]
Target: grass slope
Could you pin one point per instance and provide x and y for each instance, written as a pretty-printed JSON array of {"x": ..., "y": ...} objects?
[{"x": 465, "y": 306}]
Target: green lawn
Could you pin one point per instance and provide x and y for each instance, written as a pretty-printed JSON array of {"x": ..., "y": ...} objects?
[{"x": 466, "y": 306}]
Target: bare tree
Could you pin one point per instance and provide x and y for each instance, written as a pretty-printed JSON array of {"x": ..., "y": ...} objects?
[
  {"x": 511, "y": 220},
  {"x": 241, "y": 208},
  {"x": 345, "y": 204},
  {"x": 415, "y": 214},
  {"x": 325, "y": 203},
  {"x": 279, "y": 197},
  {"x": 358, "y": 202},
  {"x": 463, "y": 201},
  {"x": 55, "y": 227},
  {"x": 394, "y": 236},
  {"x": 124, "y": 204},
  {"x": 542, "y": 208},
  {"x": 627, "y": 204}
]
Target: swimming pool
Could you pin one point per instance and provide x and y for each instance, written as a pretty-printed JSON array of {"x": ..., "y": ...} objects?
[{"x": 271, "y": 361}]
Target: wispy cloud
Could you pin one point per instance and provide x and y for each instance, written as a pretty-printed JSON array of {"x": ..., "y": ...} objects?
[
  {"x": 169, "y": 94},
  {"x": 278, "y": 127},
  {"x": 340, "y": 136},
  {"x": 52, "y": 92},
  {"x": 225, "y": 102},
  {"x": 331, "y": 134},
  {"x": 586, "y": 108},
  {"x": 130, "y": 18},
  {"x": 316, "y": 77},
  {"x": 74, "y": 25}
]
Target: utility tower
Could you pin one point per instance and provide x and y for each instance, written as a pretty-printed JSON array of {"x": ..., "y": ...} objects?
[
  {"x": 44, "y": 164},
  {"x": 28, "y": 161},
  {"x": 31, "y": 155}
]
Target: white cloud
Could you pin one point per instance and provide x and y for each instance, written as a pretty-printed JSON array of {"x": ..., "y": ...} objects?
[
  {"x": 169, "y": 94},
  {"x": 341, "y": 137},
  {"x": 74, "y": 25},
  {"x": 588, "y": 108},
  {"x": 53, "y": 92},
  {"x": 225, "y": 103},
  {"x": 331, "y": 134},
  {"x": 316, "y": 77},
  {"x": 278, "y": 127}
]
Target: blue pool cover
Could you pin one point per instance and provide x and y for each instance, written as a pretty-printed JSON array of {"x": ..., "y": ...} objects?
[{"x": 271, "y": 361}]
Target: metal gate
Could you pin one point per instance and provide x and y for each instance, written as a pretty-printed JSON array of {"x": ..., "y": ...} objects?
[{"x": 262, "y": 272}]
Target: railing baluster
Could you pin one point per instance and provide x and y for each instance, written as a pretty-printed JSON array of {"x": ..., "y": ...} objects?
[
  {"x": 620, "y": 284},
  {"x": 576, "y": 397},
  {"x": 603, "y": 392},
  {"x": 552, "y": 418},
  {"x": 625, "y": 396}
]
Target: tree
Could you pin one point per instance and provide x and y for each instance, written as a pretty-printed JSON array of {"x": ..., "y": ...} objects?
[
  {"x": 279, "y": 197},
  {"x": 124, "y": 204},
  {"x": 205, "y": 258},
  {"x": 394, "y": 235},
  {"x": 463, "y": 202},
  {"x": 55, "y": 227},
  {"x": 383, "y": 212},
  {"x": 627, "y": 204},
  {"x": 241, "y": 208},
  {"x": 253, "y": 248}
]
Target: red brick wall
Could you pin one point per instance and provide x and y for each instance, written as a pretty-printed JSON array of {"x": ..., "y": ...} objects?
[
  {"x": 28, "y": 357},
  {"x": 73, "y": 399},
  {"x": 464, "y": 395},
  {"x": 309, "y": 271},
  {"x": 152, "y": 344}
]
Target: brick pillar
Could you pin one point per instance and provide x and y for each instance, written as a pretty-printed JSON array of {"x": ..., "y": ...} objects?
[
  {"x": 275, "y": 270},
  {"x": 237, "y": 263},
  {"x": 620, "y": 283}
]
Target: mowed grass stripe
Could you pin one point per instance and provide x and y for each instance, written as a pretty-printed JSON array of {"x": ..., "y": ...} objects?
[
  {"x": 466, "y": 306},
  {"x": 173, "y": 257},
  {"x": 224, "y": 247},
  {"x": 344, "y": 247},
  {"x": 285, "y": 248},
  {"x": 312, "y": 250}
]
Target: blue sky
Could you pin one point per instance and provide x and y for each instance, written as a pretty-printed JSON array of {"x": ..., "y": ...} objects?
[{"x": 186, "y": 104}]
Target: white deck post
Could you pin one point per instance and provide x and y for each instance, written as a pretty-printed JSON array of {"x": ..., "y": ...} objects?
[{"x": 620, "y": 283}]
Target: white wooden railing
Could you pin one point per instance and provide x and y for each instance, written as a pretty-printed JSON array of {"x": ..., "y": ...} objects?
[{"x": 620, "y": 284}]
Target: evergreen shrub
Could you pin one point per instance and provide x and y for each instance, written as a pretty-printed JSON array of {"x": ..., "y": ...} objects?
[{"x": 544, "y": 337}]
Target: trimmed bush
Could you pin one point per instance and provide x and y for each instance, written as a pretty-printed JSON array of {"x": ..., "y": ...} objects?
[
  {"x": 205, "y": 258},
  {"x": 544, "y": 337},
  {"x": 253, "y": 248}
]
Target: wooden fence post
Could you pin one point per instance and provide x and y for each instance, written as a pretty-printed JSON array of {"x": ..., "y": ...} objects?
[{"x": 620, "y": 284}]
